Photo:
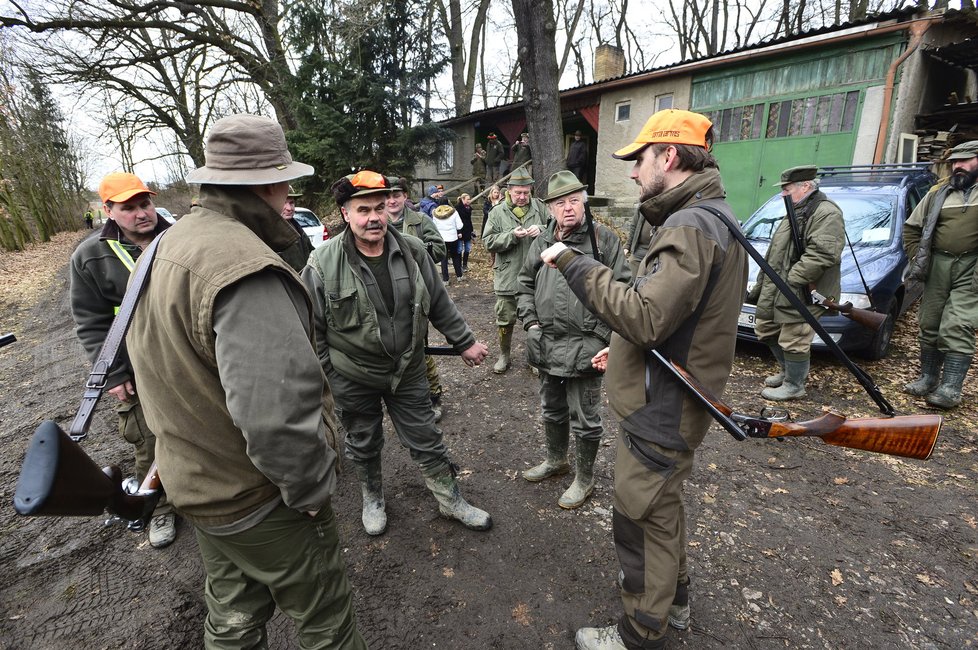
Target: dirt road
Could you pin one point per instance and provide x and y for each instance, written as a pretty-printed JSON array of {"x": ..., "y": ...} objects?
[{"x": 792, "y": 544}]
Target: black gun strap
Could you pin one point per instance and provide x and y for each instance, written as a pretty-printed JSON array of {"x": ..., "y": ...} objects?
[
  {"x": 861, "y": 375},
  {"x": 109, "y": 353},
  {"x": 591, "y": 232}
]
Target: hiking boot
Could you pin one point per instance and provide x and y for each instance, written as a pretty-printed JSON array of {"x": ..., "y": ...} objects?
[
  {"x": 162, "y": 530},
  {"x": 374, "y": 515},
  {"x": 599, "y": 638},
  {"x": 451, "y": 504},
  {"x": 793, "y": 387},
  {"x": 583, "y": 485},
  {"x": 558, "y": 436},
  {"x": 948, "y": 394},
  {"x": 505, "y": 347},
  {"x": 931, "y": 361}
]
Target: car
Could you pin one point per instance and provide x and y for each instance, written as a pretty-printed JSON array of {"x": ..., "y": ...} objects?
[
  {"x": 312, "y": 226},
  {"x": 875, "y": 201},
  {"x": 166, "y": 214}
]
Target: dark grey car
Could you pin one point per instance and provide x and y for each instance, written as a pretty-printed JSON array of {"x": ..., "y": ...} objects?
[{"x": 875, "y": 201}]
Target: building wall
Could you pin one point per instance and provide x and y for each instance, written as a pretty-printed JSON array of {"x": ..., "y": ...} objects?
[
  {"x": 462, "y": 149},
  {"x": 611, "y": 175}
]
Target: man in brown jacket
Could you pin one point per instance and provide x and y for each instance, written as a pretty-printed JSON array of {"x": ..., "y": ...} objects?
[
  {"x": 222, "y": 344},
  {"x": 683, "y": 302}
]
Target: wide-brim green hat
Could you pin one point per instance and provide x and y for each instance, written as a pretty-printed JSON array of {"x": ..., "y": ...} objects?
[
  {"x": 520, "y": 177},
  {"x": 561, "y": 184}
]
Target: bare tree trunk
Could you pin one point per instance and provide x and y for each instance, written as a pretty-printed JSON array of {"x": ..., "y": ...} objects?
[{"x": 536, "y": 40}]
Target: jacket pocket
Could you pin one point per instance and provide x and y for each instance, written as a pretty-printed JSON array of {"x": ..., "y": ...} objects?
[
  {"x": 344, "y": 312},
  {"x": 537, "y": 353}
]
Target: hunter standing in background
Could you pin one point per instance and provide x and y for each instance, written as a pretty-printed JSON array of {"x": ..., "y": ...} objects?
[{"x": 941, "y": 239}]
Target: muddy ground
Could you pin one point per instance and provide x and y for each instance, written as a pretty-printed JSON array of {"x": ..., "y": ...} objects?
[{"x": 791, "y": 544}]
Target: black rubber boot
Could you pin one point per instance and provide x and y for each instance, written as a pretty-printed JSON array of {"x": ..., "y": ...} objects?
[
  {"x": 558, "y": 439},
  {"x": 931, "y": 360},
  {"x": 948, "y": 394},
  {"x": 583, "y": 485}
]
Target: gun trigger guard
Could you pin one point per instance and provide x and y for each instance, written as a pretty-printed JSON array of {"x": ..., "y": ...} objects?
[{"x": 772, "y": 414}]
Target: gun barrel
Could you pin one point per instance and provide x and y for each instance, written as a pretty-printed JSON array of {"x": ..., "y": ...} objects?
[{"x": 7, "y": 339}]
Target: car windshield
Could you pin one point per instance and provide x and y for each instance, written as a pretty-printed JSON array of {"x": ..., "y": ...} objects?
[
  {"x": 306, "y": 219},
  {"x": 869, "y": 217}
]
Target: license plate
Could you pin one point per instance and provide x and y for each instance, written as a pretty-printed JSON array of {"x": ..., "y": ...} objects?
[{"x": 745, "y": 319}]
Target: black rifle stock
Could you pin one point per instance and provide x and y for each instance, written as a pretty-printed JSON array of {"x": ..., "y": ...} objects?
[
  {"x": 58, "y": 479},
  {"x": 909, "y": 436}
]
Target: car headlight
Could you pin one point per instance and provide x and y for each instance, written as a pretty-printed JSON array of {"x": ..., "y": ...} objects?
[{"x": 858, "y": 300}]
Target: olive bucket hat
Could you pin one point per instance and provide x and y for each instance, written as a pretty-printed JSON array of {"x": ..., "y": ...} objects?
[
  {"x": 520, "y": 177},
  {"x": 561, "y": 184},
  {"x": 247, "y": 150}
]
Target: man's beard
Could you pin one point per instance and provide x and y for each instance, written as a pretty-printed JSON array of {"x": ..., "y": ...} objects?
[
  {"x": 656, "y": 186},
  {"x": 962, "y": 179}
]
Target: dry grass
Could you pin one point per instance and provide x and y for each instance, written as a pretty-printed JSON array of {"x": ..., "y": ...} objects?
[{"x": 26, "y": 275}]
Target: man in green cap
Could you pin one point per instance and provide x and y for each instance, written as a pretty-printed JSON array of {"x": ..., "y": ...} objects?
[
  {"x": 409, "y": 222},
  {"x": 296, "y": 254},
  {"x": 941, "y": 239},
  {"x": 562, "y": 337},
  {"x": 374, "y": 292},
  {"x": 512, "y": 227},
  {"x": 778, "y": 324}
]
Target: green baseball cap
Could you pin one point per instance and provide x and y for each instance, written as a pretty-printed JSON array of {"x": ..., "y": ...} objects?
[
  {"x": 964, "y": 151},
  {"x": 561, "y": 184},
  {"x": 797, "y": 175}
]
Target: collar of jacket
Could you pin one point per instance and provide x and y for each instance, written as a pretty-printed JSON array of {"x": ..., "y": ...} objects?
[
  {"x": 814, "y": 197},
  {"x": 705, "y": 184},
  {"x": 111, "y": 230},
  {"x": 243, "y": 205},
  {"x": 576, "y": 236}
]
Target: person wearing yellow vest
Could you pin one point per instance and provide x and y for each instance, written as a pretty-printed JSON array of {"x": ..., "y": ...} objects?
[{"x": 100, "y": 269}]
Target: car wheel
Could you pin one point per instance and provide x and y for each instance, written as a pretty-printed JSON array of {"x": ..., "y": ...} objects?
[{"x": 881, "y": 340}]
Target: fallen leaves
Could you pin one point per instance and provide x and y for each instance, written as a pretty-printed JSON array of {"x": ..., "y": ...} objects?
[
  {"x": 521, "y": 614},
  {"x": 836, "y": 576}
]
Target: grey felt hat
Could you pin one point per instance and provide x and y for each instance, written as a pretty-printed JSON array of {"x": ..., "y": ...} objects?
[{"x": 247, "y": 150}]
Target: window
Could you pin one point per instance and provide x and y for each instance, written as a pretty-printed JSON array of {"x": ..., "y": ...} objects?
[
  {"x": 738, "y": 123},
  {"x": 662, "y": 102},
  {"x": 813, "y": 115},
  {"x": 623, "y": 111},
  {"x": 446, "y": 157}
]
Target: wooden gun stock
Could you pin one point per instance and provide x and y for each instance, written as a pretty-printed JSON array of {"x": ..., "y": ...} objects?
[
  {"x": 909, "y": 436},
  {"x": 866, "y": 317}
]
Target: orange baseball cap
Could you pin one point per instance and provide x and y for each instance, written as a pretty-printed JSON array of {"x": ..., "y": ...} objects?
[
  {"x": 670, "y": 126},
  {"x": 121, "y": 186}
]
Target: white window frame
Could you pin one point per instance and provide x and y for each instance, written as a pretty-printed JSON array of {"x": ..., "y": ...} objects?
[
  {"x": 618, "y": 107},
  {"x": 659, "y": 99},
  {"x": 446, "y": 157}
]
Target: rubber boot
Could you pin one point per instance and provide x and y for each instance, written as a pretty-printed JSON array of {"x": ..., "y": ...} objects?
[
  {"x": 558, "y": 438},
  {"x": 505, "y": 346},
  {"x": 583, "y": 485},
  {"x": 773, "y": 381},
  {"x": 451, "y": 504},
  {"x": 795, "y": 375},
  {"x": 931, "y": 360},
  {"x": 948, "y": 394},
  {"x": 436, "y": 406},
  {"x": 374, "y": 517}
]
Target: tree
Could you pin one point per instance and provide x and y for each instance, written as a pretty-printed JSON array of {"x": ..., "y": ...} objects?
[
  {"x": 536, "y": 44},
  {"x": 465, "y": 64}
]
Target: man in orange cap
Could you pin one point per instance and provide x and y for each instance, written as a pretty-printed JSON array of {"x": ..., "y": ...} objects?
[
  {"x": 100, "y": 269},
  {"x": 683, "y": 302}
]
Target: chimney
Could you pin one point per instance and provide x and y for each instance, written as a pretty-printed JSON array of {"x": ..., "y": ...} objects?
[{"x": 609, "y": 62}]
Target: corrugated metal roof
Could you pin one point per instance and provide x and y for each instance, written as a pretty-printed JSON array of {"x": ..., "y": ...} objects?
[
  {"x": 896, "y": 15},
  {"x": 961, "y": 55}
]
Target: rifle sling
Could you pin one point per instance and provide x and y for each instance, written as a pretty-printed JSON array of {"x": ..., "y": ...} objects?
[
  {"x": 861, "y": 375},
  {"x": 109, "y": 353}
]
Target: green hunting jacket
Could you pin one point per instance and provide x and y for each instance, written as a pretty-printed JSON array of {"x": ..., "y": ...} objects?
[
  {"x": 569, "y": 335},
  {"x": 356, "y": 336},
  {"x": 510, "y": 250},
  {"x": 417, "y": 224},
  {"x": 684, "y": 302},
  {"x": 494, "y": 153},
  {"x": 478, "y": 165},
  {"x": 98, "y": 282},
  {"x": 222, "y": 346},
  {"x": 824, "y": 235}
]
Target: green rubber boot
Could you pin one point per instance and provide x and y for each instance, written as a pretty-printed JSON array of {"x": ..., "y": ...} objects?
[
  {"x": 931, "y": 360},
  {"x": 583, "y": 485},
  {"x": 558, "y": 435},
  {"x": 505, "y": 347},
  {"x": 451, "y": 504},
  {"x": 374, "y": 516},
  {"x": 773, "y": 381},
  {"x": 795, "y": 375},
  {"x": 948, "y": 394}
]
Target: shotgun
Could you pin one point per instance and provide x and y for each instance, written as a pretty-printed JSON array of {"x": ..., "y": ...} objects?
[
  {"x": 58, "y": 479},
  {"x": 7, "y": 339},
  {"x": 909, "y": 436},
  {"x": 869, "y": 319}
]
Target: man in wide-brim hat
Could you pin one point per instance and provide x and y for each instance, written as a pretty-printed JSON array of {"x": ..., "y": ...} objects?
[{"x": 222, "y": 344}]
